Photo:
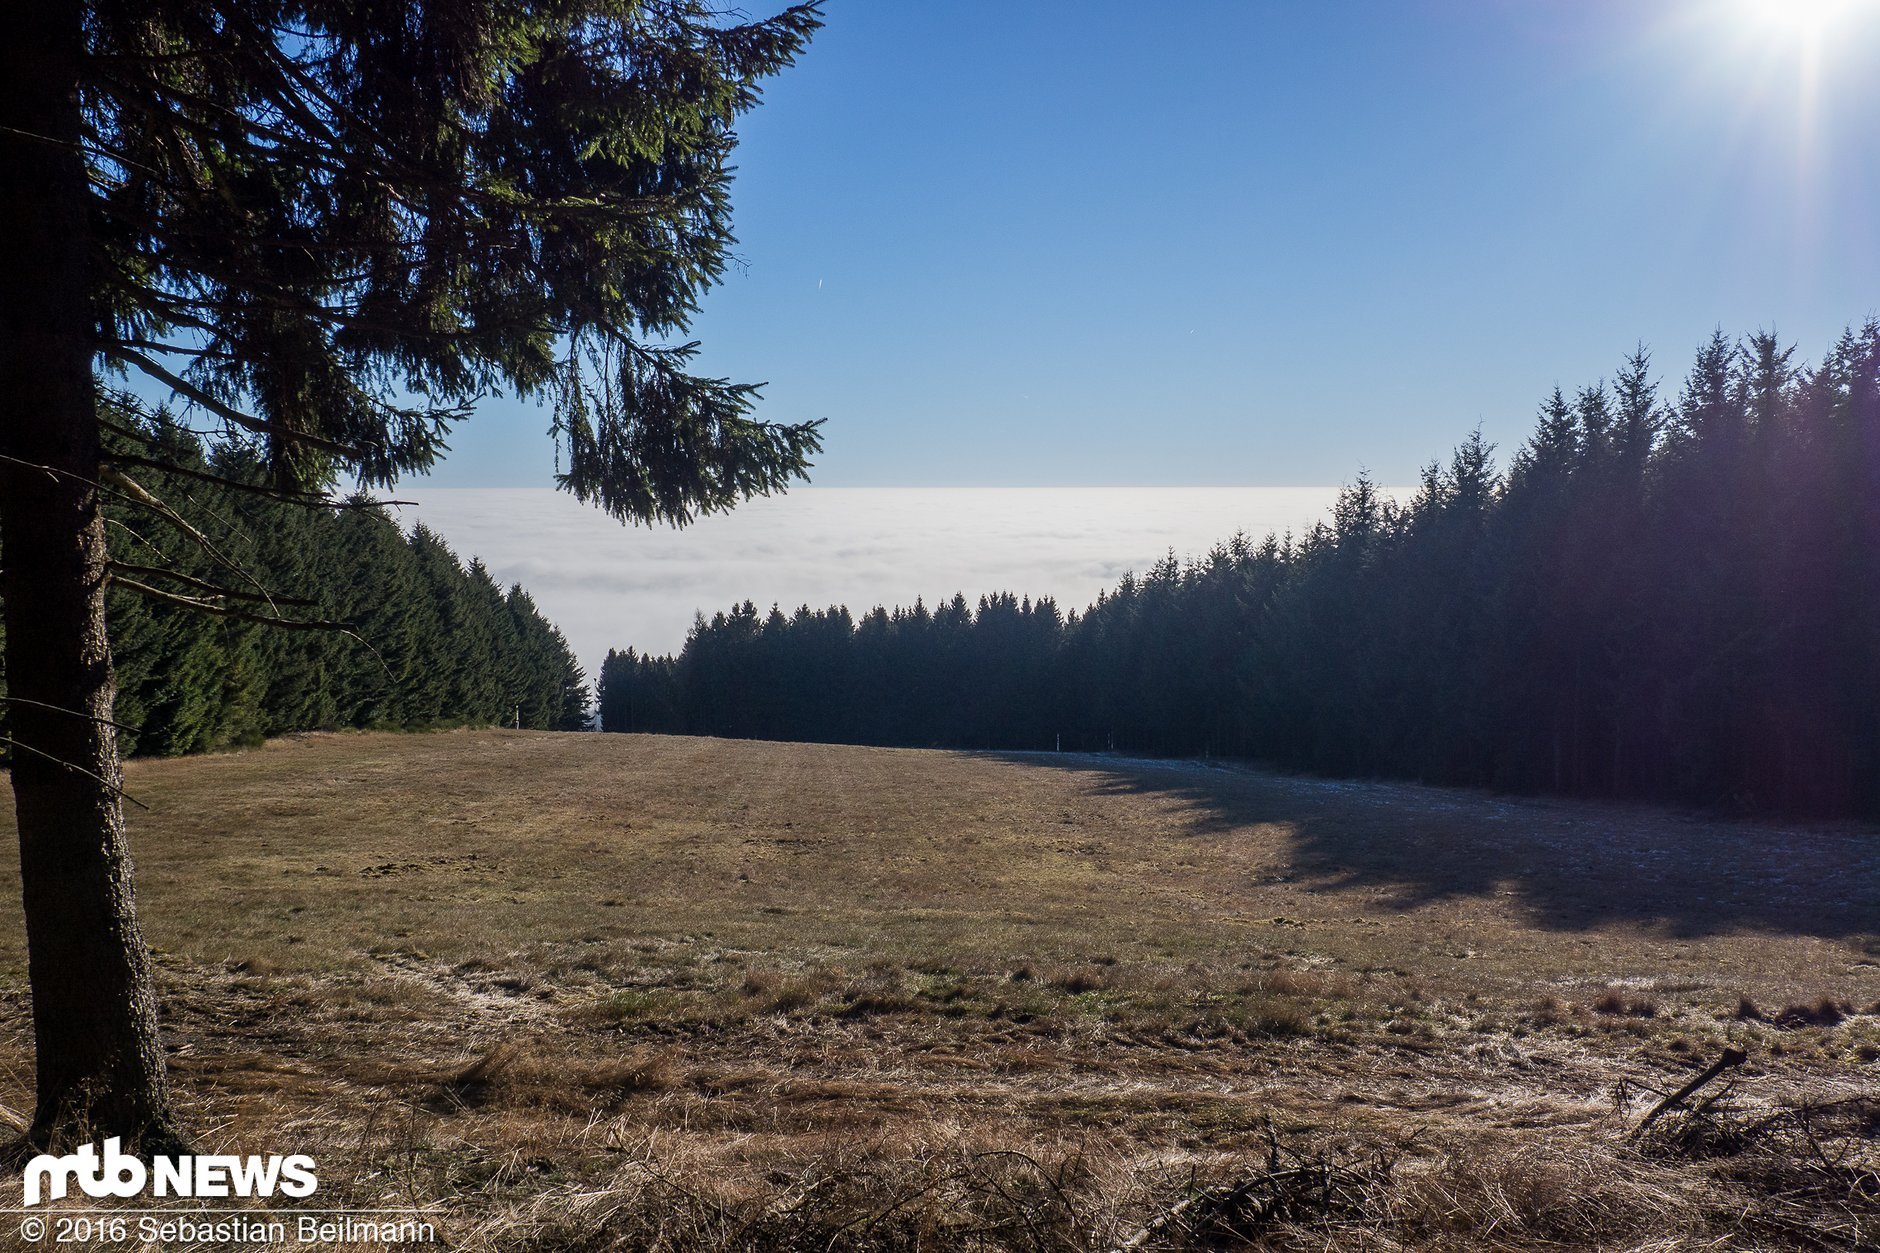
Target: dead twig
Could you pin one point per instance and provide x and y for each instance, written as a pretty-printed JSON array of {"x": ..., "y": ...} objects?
[
  {"x": 18, "y": 747},
  {"x": 1731, "y": 1059}
]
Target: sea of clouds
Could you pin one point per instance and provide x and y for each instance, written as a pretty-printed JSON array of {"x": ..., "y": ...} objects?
[{"x": 611, "y": 586}]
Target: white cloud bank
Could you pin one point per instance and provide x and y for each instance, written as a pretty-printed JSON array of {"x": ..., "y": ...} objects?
[{"x": 611, "y": 586}]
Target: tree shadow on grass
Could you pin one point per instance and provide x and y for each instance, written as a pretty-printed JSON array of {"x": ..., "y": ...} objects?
[{"x": 1571, "y": 865}]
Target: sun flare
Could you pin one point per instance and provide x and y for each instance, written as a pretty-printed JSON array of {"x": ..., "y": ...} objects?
[{"x": 1803, "y": 17}]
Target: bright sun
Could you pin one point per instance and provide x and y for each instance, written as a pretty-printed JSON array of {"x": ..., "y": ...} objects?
[{"x": 1804, "y": 17}]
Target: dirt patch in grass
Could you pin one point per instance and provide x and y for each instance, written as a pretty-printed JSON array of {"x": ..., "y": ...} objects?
[{"x": 584, "y": 991}]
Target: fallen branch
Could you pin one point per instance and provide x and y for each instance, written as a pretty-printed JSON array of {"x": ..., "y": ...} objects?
[
  {"x": 1731, "y": 1059},
  {"x": 1254, "y": 1202}
]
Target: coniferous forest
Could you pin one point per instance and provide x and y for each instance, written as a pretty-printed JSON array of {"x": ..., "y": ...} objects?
[
  {"x": 1662, "y": 596},
  {"x": 430, "y": 643}
]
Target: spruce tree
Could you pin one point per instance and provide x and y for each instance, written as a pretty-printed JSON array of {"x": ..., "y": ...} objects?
[{"x": 331, "y": 229}]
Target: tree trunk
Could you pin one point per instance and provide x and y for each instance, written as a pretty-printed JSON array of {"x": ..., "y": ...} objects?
[{"x": 100, "y": 1066}]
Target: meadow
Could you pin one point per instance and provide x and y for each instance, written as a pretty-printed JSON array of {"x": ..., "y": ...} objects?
[{"x": 582, "y": 992}]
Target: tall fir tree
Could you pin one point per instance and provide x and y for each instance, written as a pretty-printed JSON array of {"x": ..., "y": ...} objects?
[{"x": 331, "y": 229}]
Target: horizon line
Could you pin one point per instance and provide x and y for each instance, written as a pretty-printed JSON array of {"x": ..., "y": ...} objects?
[{"x": 975, "y": 487}]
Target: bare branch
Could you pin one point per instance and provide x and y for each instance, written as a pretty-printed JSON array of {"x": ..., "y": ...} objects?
[
  {"x": 212, "y": 589},
  {"x": 137, "y": 535},
  {"x": 46, "y": 470},
  {"x": 230, "y": 611},
  {"x": 281, "y": 494},
  {"x": 76, "y": 713},
  {"x": 129, "y": 487},
  {"x": 18, "y": 747},
  {"x": 123, "y": 486}
]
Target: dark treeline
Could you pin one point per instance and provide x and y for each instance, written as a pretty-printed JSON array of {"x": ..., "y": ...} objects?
[
  {"x": 433, "y": 644},
  {"x": 1668, "y": 599}
]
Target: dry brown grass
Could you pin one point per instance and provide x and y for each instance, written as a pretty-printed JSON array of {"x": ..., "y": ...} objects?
[{"x": 586, "y": 992}]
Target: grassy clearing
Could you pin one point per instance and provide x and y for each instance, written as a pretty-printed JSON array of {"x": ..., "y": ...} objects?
[{"x": 584, "y": 992}]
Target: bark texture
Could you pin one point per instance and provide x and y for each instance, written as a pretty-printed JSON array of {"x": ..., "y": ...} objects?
[{"x": 100, "y": 1065}]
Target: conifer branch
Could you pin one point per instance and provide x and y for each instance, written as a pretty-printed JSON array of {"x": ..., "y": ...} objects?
[
  {"x": 280, "y": 495},
  {"x": 227, "y": 412}
]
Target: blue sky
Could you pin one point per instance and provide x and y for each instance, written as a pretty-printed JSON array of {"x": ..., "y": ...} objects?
[{"x": 1046, "y": 242}]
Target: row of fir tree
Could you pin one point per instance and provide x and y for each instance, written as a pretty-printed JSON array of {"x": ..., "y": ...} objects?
[
  {"x": 1673, "y": 598},
  {"x": 412, "y": 639}
]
